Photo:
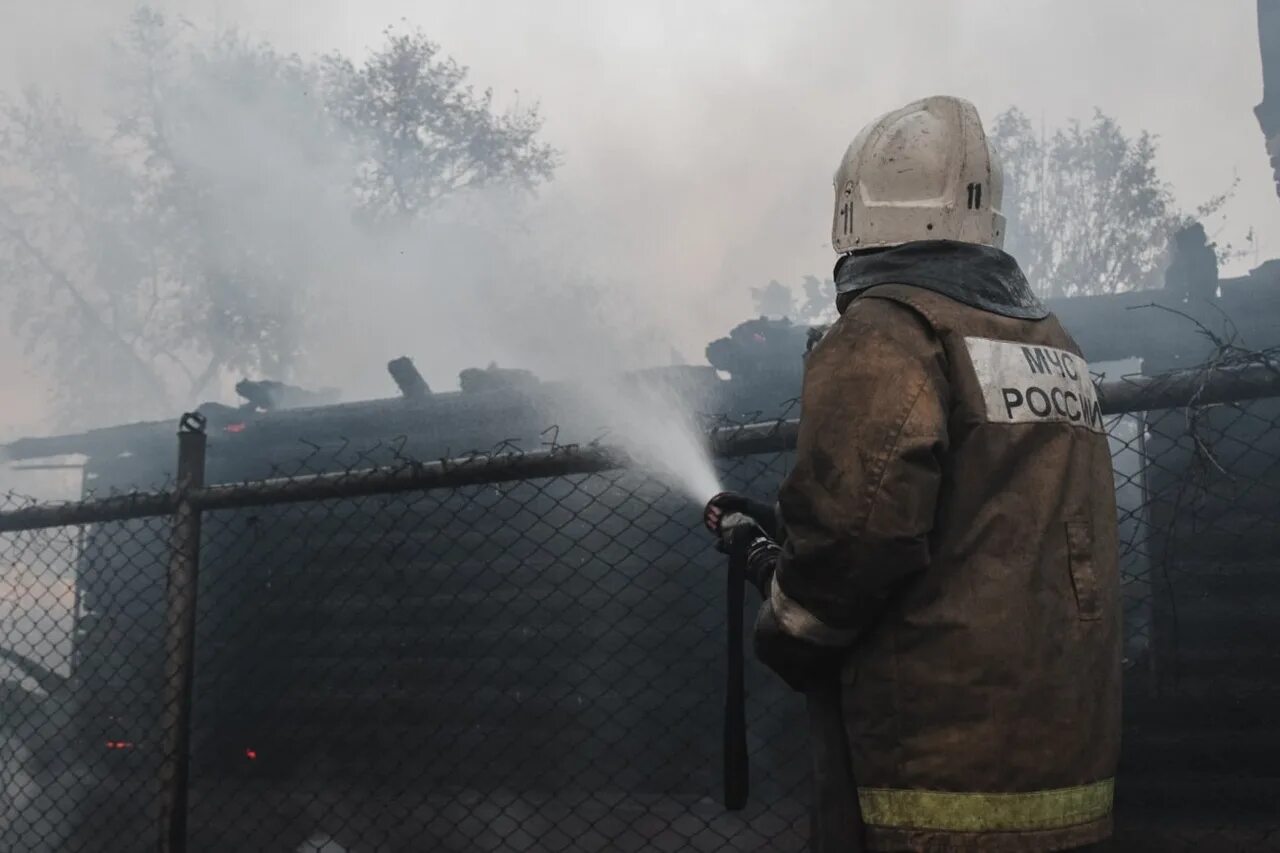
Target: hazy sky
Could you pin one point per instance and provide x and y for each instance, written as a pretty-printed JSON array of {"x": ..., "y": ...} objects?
[{"x": 700, "y": 137}]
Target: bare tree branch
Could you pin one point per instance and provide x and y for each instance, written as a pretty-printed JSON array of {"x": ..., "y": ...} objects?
[{"x": 87, "y": 311}]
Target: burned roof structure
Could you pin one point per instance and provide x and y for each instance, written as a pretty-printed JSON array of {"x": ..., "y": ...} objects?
[{"x": 313, "y": 644}]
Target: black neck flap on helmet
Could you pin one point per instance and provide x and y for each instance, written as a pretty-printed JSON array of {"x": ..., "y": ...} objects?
[{"x": 979, "y": 276}]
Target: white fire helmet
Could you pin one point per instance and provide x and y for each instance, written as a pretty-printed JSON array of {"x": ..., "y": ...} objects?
[{"x": 923, "y": 172}]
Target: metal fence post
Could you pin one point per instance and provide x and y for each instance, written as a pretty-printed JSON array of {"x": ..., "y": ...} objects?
[{"x": 179, "y": 637}]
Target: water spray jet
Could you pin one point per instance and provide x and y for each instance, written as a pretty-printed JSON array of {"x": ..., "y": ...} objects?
[{"x": 654, "y": 422}]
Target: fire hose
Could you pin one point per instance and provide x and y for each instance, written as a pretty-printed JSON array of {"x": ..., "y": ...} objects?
[
  {"x": 736, "y": 761},
  {"x": 736, "y": 770},
  {"x": 836, "y": 821}
]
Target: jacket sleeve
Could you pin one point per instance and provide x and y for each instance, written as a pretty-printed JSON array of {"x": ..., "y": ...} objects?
[{"x": 859, "y": 505}]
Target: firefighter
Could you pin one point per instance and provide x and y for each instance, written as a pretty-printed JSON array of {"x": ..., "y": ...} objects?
[{"x": 942, "y": 580}]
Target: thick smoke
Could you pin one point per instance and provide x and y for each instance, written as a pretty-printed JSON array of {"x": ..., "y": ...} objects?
[
  {"x": 476, "y": 280},
  {"x": 266, "y": 180},
  {"x": 698, "y": 145},
  {"x": 469, "y": 283},
  {"x": 257, "y": 176},
  {"x": 473, "y": 282}
]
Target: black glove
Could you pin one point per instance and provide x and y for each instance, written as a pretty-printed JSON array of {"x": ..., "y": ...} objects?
[
  {"x": 727, "y": 503},
  {"x": 736, "y": 533},
  {"x": 742, "y": 539}
]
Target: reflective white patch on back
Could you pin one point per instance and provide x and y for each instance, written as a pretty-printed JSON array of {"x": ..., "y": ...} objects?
[{"x": 1027, "y": 383}]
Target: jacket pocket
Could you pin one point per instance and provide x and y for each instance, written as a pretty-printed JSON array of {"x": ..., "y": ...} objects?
[{"x": 1084, "y": 577}]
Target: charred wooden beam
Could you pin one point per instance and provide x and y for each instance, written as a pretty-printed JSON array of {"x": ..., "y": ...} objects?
[
  {"x": 270, "y": 395},
  {"x": 1168, "y": 328},
  {"x": 104, "y": 441},
  {"x": 1268, "y": 111},
  {"x": 407, "y": 378}
]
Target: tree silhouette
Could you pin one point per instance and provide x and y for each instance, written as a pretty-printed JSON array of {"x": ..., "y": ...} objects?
[
  {"x": 150, "y": 251},
  {"x": 1087, "y": 210}
]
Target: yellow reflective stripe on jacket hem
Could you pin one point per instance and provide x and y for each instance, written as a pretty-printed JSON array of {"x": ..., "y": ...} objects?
[{"x": 951, "y": 811}]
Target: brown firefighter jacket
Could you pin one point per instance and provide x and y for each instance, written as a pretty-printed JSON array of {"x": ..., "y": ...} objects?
[{"x": 949, "y": 576}]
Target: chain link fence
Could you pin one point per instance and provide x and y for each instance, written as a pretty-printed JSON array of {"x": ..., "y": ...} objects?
[{"x": 526, "y": 651}]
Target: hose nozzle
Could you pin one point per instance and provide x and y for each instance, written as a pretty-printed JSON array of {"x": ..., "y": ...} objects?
[{"x": 717, "y": 508}]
